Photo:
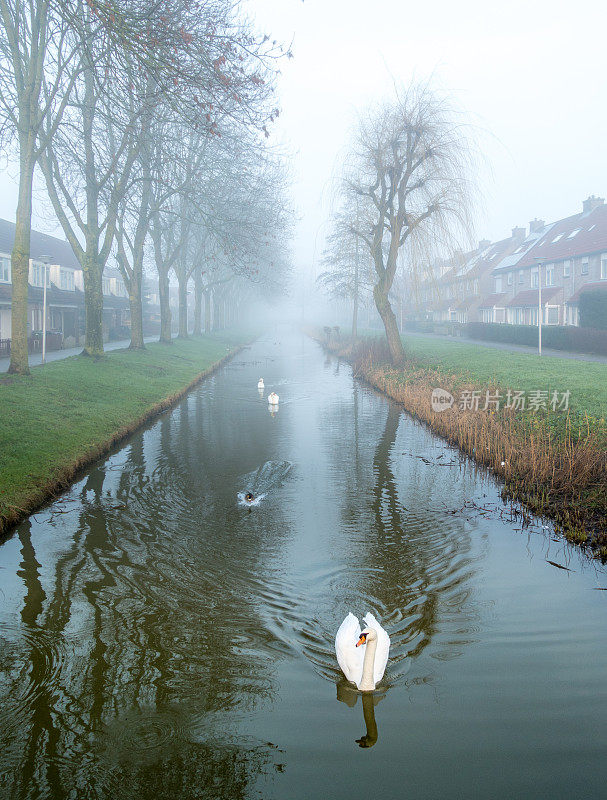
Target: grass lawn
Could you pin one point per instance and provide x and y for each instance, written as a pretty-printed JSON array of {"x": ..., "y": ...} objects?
[
  {"x": 587, "y": 381},
  {"x": 66, "y": 412}
]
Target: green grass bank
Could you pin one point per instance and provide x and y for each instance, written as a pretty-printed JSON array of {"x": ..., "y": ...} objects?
[
  {"x": 554, "y": 461},
  {"x": 69, "y": 413}
]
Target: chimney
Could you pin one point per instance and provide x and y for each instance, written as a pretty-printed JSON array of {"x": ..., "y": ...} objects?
[
  {"x": 519, "y": 233},
  {"x": 536, "y": 225},
  {"x": 591, "y": 203},
  {"x": 483, "y": 244}
]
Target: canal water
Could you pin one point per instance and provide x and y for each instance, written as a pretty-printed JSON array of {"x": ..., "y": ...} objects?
[{"x": 161, "y": 639}]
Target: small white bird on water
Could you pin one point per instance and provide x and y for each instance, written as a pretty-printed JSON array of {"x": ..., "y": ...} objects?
[
  {"x": 261, "y": 384},
  {"x": 273, "y": 399},
  {"x": 362, "y": 655}
]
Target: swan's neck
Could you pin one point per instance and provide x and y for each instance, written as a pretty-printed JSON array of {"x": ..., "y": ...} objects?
[{"x": 367, "y": 683}]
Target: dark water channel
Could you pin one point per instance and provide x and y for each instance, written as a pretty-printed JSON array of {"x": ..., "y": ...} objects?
[{"x": 159, "y": 640}]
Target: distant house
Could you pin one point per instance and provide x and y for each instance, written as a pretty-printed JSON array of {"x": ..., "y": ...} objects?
[
  {"x": 65, "y": 289},
  {"x": 500, "y": 282}
]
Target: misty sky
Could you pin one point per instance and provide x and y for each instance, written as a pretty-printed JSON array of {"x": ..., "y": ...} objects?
[{"x": 529, "y": 75}]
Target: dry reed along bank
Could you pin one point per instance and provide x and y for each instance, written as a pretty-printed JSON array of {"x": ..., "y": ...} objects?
[
  {"x": 554, "y": 462},
  {"x": 69, "y": 413}
]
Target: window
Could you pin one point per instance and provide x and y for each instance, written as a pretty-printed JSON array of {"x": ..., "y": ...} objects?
[
  {"x": 574, "y": 233},
  {"x": 509, "y": 279},
  {"x": 521, "y": 276},
  {"x": 591, "y": 227},
  {"x": 38, "y": 271},
  {"x": 5, "y": 270},
  {"x": 549, "y": 274},
  {"x": 585, "y": 266},
  {"x": 498, "y": 284},
  {"x": 475, "y": 284},
  {"x": 566, "y": 269},
  {"x": 534, "y": 279},
  {"x": 603, "y": 267},
  {"x": 553, "y": 315},
  {"x": 533, "y": 317},
  {"x": 556, "y": 238},
  {"x": 105, "y": 285},
  {"x": 66, "y": 280}
]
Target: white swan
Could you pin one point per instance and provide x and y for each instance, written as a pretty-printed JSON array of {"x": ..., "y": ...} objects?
[
  {"x": 273, "y": 399},
  {"x": 261, "y": 384},
  {"x": 362, "y": 655}
]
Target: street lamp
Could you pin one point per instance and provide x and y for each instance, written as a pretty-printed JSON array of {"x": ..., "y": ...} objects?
[
  {"x": 46, "y": 260},
  {"x": 539, "y": 305}
]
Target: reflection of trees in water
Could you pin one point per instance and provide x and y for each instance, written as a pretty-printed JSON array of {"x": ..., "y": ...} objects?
[
  {"x": 140, "y": 620},
  {"x": 409, "y": 562}
]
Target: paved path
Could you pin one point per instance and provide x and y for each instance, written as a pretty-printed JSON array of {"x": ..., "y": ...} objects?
[
  {"x": 514, "y": 348},
  {"x": 35, "y": 359}
]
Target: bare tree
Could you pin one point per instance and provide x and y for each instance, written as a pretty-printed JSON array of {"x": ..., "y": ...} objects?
[
  {"x": 411, "y": 164},
  {"x": 348, "y": 267},
  {"x": 33, "y": 50}
]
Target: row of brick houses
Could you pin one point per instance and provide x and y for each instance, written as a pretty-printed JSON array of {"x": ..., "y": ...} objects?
[
  {"x": 498, "y": 282},
  {"x": 65, "y": 291}
]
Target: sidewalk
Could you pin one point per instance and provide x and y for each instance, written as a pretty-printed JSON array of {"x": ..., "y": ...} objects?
[
  {"x": 513, "y": 348},
  {"x": 35, "y": 359}
]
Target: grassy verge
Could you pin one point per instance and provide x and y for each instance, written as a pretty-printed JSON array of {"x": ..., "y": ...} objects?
[
  {"x": 68, "y": 413},
  {"x": 553, "y": 461}
]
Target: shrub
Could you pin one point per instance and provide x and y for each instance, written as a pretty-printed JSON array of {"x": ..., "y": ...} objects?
[
  {"x": 580, "y": 340},
  {"x": 593, "y": 309}
]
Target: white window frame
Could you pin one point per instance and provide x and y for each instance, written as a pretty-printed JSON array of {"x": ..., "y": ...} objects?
[
  {"x": 549, "y": 274},
  {"x": 585, "y": 266},
  {"x": 510, "y": 279},
  {"x": 534, "y": 278},
  {"x": 567, "y": 268},
  {"x": 106, "y": 287},
  {"x": 547, "y": 313},
  {"x": 498, "y": 284},
  {"x": 66, "y": 279},
  {"x": 5, "y": 269},
  {"x": 38, "y": 272},
  {"x": 603, "y": 274},
  {"x": 521, "y": 276}
]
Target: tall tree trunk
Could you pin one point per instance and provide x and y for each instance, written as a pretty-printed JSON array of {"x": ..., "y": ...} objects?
[
  {"x": 93, "y": 308},
  {"x": 216, "y": 316},
  {"x": 183, "y": 307},
  {"x": 197, "y": 303},
  {"x": 136, "y": 305},
  {"x": 20, "y": 262},
  {"x": 397, "y": 352},
  {"x": 207, "y": 311},
  {"x": 166, "y": 334},
  {"x": 355, "y": 309}
]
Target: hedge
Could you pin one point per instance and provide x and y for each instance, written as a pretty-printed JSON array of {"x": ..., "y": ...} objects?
[{"x": 579, "y": 340}]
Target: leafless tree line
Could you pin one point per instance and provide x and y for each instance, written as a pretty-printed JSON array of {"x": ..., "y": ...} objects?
[{"x": 148, "y": 120}]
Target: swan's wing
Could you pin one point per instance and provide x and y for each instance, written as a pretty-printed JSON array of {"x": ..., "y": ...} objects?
[
  {"x": 349, "y": 656},
  {"x": 383, "y": 647}
]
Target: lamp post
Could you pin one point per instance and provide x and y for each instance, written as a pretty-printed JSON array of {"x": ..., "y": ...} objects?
[
  {"x": 46, "y": 260},
  {"x": 539, "y": 305}
]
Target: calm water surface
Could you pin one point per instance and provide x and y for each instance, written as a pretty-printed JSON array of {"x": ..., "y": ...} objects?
[{"x": 159, "y": 640}]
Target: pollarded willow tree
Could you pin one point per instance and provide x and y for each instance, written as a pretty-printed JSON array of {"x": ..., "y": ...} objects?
[{"x": 411, "y": 164}]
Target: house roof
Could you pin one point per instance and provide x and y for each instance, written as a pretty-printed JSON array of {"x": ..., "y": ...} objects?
[
  {"x": 492, "y": 300},
  {"x": 467, "y": 302},
  {"x": 578, "y": 235},
  {"x": 587, "y": 287},
  {"x": 529, "y": 297},
  {"x": 41, "y": 244}
]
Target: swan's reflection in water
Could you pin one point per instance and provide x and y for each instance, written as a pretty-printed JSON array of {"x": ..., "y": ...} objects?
[{"x": 348, "y": 694}]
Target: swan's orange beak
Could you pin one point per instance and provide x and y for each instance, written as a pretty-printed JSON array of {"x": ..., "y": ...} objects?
[{"x": 362, "y": 640}]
